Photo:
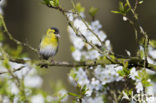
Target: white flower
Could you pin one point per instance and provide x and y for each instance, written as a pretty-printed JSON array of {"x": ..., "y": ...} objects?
[
  {"x": 151, "y": 61},
  {"x": 98, "y": 99},
  {"x": 108, "y": 74},
  {"x": 49, "y": 98},
  {"x": 22, "y": 72},
  {"x": 2, "y": 3},
  {"x": 76, "y": 55},
  {"x": 95, "y": 84},
  {"x": 16, "y": 99},
  {"x": 79, "y": 25},
  {"x": 13, "y": 88},
  {"x": 139, "y": 87},
  {"x": 91, "y": 55},
  {"x": 70, "y": 16},
  {"x": 152, "y": 52},
  {"x": 82, "y": 15},
  {"x": 5, "y": 99},
  {"x": 108, "y": 45},
  {"x": 77, "y": 42},
  {"x": 82, "y": 77},
  {"x": 124, "y": 18},
  {"x": 101, "y": 35},
  {"x": 63, "y": 93},
  {"x": 151, "y": 89},
  {"x": 133, "y": 74},
  {"x": 96, "y": 25},
  {"x": 37, "y": 99},
  {"x": 33, "y": 81},
  {"x": 89, "y": 92}
]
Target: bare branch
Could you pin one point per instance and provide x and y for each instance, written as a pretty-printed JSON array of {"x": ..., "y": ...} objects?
[
  {"x": 15, "y": 70},
  {"x": 15, "y": 40}
]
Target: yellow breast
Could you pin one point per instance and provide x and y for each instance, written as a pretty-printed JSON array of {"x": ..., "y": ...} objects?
[{"x": 49, "y": 40}]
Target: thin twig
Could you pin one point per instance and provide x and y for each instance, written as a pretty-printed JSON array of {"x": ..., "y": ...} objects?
[
  {"x": 133, "y": 62},
  {"x": 86, "y": 23},
  {"x": 15, "y": 70},
  {"x": 15, "y": 40},
  {"x": 146, "y": 38}
]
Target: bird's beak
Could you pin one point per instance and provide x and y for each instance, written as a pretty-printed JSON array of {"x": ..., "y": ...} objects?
[{"x": 58, "y": 35}]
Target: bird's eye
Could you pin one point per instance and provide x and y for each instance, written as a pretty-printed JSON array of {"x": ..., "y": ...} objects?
[{"x": 56, "y": 32}]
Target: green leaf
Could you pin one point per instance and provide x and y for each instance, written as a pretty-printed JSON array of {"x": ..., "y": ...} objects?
[
  {"x": 140, "y": 2},
  {"x": 121, "y": 6},
  {"x": 93, "y": 11},
  {"x": 125, "y": 71},
  {"x": 53, "y": 3},
  {"x": 153, "y": 77},
  {"x": 125, "y": 64},
  {"x": 152, "y": 43},
  {"x": 73, "y": 74},
  {"x": 73, "y": 94},
  {"x": 123, "y": 9},
  {"x": 84, "y": 90},
  {"x": 61, "y": 98},
  {"x": 46, "y": 2},
  {"x": 121, "y": 73},
  {"x": 116, "y": 12},
  {"x": 144, "y": 77},
  {"x": 79, "y": 8}
]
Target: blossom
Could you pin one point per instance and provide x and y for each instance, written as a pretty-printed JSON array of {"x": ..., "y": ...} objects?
[
  {"x": 79, "y": 25},
  {"x": 37, "y": 99},
  {"x": 152, "y": 52},
  {"x": 2, "y": 3},
  {"x": 139, "y": 87},
  {"x": 96, "y": 25},
  {"x": 108, "y": 73},
  {"x": 13, "y": 88},
  {"x": 5, "y": 99},
  {"x": 63, "y": 93},
  {"x": 70, "y": 16},
  {"x": 133, "y": 74},
  {"x": 76, "y": 55},
  {"x": 33, "y": 81},
  {"x": 82, "y": 77},
  {"x": 98, "y": 99},
  {"x": 95, "y": 84},
  {"x": 125, "y": 18},
  {"x": 91, "y": 55}
]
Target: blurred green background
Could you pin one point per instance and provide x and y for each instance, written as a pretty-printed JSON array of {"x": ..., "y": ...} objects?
[{"x": 28, "y": 20}]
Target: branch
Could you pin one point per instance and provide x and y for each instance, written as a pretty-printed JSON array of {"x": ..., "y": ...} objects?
[
  {"x": 15, "y": 70},
  {"x": 146, "y": 38},
  {"x": 70, "y": 64},
  {"x": 15, "y": 40},
  {"x": 79, "y": 34},
  {"x": 133, "y": 62}
]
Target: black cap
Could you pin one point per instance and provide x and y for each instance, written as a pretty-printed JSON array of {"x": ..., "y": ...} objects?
[{"x": 56, "y": 30}]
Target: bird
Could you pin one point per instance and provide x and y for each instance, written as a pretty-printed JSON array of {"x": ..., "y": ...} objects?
[{"x": 49, "y": 43}]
